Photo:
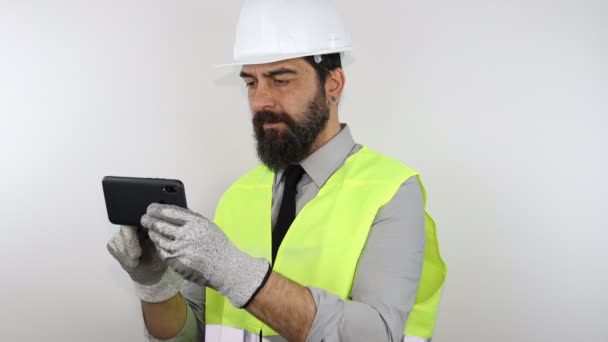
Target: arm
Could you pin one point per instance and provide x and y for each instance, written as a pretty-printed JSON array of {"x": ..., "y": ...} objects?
[
  {"x": 156, "y": 285},
  {"x": 383, "y": 292},
  {"x": 387, "y": 277},
  {"x": 166, "y": 319},
  {"x": 180, "y": 319},
  {"x": 280, "y": 298}
]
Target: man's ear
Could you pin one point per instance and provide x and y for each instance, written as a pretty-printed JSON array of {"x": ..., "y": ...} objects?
[{"x": 334, "y": 84}]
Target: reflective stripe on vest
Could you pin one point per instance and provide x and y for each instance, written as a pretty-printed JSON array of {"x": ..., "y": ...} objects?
[
  {"x": 323, "y": 244},
  {"x": 218, "y": 333}
]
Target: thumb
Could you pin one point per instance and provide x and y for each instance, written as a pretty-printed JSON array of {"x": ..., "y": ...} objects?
[{"x": 124, "y": 246}]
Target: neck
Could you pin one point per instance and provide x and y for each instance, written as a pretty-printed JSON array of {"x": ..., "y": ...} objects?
[{"x": 331, "y": 130}]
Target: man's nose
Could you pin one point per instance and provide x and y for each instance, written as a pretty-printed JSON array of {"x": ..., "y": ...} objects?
[{"x": 262, "y": 98}]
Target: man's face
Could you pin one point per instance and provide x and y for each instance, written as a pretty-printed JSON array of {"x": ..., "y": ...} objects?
[{"x": 289, "y": 109}]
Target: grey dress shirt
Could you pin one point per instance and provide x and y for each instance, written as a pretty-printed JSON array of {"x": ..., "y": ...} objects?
[{"x": 388, "y": 271}]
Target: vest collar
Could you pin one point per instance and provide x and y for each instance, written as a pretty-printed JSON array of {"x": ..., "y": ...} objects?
[{"x": 322, "y": 163}]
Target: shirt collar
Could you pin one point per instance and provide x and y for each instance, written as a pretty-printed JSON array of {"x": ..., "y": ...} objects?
[{"x": 322, "y": 163}]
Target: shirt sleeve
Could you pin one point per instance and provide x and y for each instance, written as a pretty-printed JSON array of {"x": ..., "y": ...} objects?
[
  {"x": 386, "y": 280},
  {"x": 194, "y": 328}
]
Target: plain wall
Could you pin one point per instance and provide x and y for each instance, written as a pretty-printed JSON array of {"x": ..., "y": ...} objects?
[{"x": 502, "y": 107}]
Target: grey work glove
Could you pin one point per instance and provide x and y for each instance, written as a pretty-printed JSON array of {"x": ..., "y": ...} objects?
[
  {"x": 198, "y": 250},
  {"x": 154, "y": 280}
]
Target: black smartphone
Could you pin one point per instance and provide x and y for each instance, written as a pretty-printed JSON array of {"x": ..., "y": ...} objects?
[{"x": 127, "y": 198}]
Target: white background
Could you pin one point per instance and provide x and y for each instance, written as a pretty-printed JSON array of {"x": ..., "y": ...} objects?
[{"x": 502, "y": 106}]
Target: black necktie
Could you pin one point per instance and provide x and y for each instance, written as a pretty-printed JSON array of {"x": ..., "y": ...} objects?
[{"x": 287, "y": 211}]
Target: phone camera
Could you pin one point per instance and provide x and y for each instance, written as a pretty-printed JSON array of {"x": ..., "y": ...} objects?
[{"x": 170, "y": 189}]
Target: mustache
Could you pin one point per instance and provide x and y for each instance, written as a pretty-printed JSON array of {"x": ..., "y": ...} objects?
[{"x": 265, "y": 116}]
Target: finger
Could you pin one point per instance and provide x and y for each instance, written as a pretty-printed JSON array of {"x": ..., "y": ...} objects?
[
  {"x": 130, "y": 241},
  {"x": 171, "y": 213},
  {"x": 117, "y": 243},
  {"x": 117, "y": 250},
  {"x": 167, "y": 229},
  {"x": 112, "y": 248},
  {"x": 147, "y": 221},
  {"x": 164, "y": 255},
  {"x": 160, "y": 226},
  {"x": 164, "y": 246}
]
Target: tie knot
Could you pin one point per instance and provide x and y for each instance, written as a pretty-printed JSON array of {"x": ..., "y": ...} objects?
[{"x": 293, "y": 175}]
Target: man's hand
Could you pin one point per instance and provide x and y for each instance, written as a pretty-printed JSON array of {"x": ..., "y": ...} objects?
[
  {"x": 154, "y": 281},
  {"x": 198, "y": 250}
]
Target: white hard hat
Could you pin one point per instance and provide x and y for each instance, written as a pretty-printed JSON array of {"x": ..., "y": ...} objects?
[{"x": 274, "y": 30}]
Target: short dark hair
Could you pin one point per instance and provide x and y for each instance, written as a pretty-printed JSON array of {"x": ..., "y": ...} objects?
[{"x": 328, "y": 63}]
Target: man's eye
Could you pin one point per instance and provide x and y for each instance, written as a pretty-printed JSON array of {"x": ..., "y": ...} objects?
[
  {"x": 281, "y": 82},
  {"x": 249, "y": 84}
]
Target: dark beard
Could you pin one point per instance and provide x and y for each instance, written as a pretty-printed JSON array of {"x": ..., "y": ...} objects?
[{"x": 279, "y": 148}]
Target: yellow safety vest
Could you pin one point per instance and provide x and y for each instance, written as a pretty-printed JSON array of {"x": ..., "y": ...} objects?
[{"x": 323, "y": 244}]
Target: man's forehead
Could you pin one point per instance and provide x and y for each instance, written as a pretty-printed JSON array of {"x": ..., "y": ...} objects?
[{"x": 295, "y": 64}]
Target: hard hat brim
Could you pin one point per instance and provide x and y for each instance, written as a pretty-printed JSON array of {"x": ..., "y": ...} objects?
[{"x": 253, "y": 60}]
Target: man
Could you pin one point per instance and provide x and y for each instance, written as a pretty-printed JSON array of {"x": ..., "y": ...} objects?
[{"x": 323, "y": 242}]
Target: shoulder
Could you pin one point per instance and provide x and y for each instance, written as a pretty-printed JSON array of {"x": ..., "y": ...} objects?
[
  {"x": 373, "y": 163},
  {"x": 261, "y": 175}
]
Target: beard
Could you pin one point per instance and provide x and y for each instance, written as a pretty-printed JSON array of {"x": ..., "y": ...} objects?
[{"x": 288, "y": 145}]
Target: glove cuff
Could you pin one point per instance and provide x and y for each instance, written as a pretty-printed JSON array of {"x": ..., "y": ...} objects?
[
  {"x": 246, "y": 285},
  {"x": 168, "y": 286},
  {"x": 255, "y": 293}
]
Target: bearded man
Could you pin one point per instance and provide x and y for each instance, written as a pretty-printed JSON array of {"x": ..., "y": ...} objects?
[{"x": 327, "y": 240}]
